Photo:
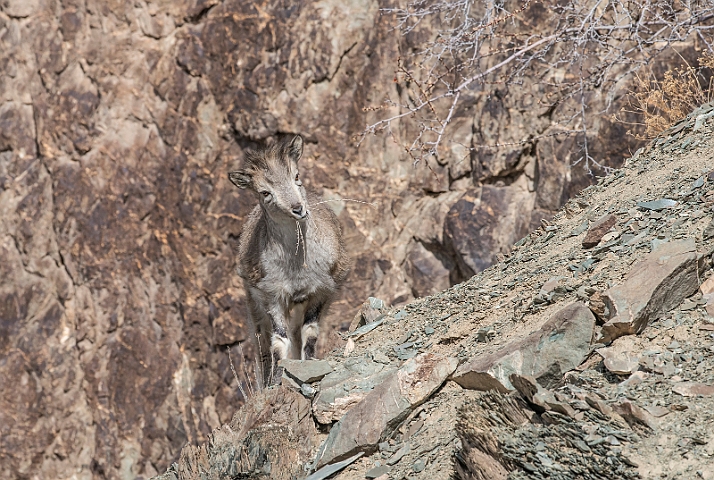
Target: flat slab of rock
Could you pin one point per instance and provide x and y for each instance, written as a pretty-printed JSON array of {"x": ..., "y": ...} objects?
[
  {"x": 385, "y": 407},
  {"x": 598, "y": 230},
  {"x": 692, "y": 389},
  {"x": 541, "y": 399},
  {"x": 305, "y": 371},
  {"x": 560, "y": 345},
  {"x": 344, "y": 388},
  {"x": 655, "y": 285}
]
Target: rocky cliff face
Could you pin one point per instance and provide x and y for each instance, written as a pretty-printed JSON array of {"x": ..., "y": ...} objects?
[{"x": 118, "y": 124}]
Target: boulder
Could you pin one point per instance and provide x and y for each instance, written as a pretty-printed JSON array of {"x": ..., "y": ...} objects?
[
  {"x": 344, "y": 388},
  {"x": 385, "y": 407},
  {"x": 655, "y": 285},
  {"x": 483, "y": 223},
  {"x": 427, "y": 273},
  {"x": 560, "y": 345}
]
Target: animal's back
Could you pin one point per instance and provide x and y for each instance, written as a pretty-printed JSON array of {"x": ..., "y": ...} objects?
[
  {"x": 252, "y": 242},
  {"x": 329, "y": 233}
]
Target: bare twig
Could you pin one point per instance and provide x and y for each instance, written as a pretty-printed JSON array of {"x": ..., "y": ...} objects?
[
  {"x": 374, "y": 205},
  {"x": 575, "y": 48}
]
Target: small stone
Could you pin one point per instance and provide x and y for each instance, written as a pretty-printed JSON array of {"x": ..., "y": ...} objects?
[
  {"x": 349, "y": 347},
  {"x": 377, "y": 472},
  {"x": 707, "y": 287},
  {"x": 598, "y": 306},
  {"x": 542, "y": 399},
  {"x": 380, "y": 357},
  {"x": 306, "y": 371},
  {"x": 429, "y": 331},
  {"x": 598, "y": 230},
  {"x": 394, "y": 459},
  {"x": 609, "y": 237},
  {"x": 550, "y": 285},
  {"x": 632, "y": 414},
  {"x": 688, "y": 305},
  {"x": 667, "y": 369},
  {"x": 619, "y": 360},
  {"x": 658, "y": 412},
  {"x": 708, "y": 231},
  {"x": 579, "y": 229},
  {"x": 657, "y": 205},
  {"x": 307, "y": 390},
  {"x": 635, "y": 379},
  {"x": 369, "y": 312},
  {"x": 485, "y": 334},
  {"x": 419, "y": 466},
  {"x": 692, "y": 389}
]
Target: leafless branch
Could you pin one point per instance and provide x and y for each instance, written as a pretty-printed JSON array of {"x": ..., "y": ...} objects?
[{"x": 571, "y": 49}]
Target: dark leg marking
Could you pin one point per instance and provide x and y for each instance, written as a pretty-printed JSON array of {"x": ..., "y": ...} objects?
[
  {"x": 299, "y": 298},
  {"x": 309, "y": 347},
  {"x": 313, "y": 315}
]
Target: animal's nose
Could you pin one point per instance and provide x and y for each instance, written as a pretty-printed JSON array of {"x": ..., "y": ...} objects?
[{"x": 298, "y": 209}]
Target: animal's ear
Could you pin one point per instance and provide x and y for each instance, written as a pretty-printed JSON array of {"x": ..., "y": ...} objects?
[
  {"x": 295, "y": 148},
  {"x": 241, "y": 179}
]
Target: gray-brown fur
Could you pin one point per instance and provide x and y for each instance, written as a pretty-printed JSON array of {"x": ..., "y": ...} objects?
[{"x": 289, "y": 284}]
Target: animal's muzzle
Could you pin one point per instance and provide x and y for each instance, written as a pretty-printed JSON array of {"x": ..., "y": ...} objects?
[{"x": 299, "y": 211}]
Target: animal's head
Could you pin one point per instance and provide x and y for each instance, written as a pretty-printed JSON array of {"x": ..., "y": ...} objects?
[{"x": 272, "y": 173}]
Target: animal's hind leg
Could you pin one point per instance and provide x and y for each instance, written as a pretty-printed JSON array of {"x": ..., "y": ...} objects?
[{"x": 310, "y": 329}]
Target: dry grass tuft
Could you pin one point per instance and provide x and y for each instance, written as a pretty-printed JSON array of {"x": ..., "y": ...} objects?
[{"x": 662, "y": 102}]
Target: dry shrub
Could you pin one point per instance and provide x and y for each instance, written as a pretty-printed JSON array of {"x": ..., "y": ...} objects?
[{"x": 662, "y": 102}]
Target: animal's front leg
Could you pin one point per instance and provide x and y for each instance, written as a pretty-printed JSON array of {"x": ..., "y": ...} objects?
[
  {"x": 280, "y": 342},
  {"x": 297, "y": 314}
]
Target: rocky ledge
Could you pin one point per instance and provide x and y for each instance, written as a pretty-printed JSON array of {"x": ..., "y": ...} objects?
[{"x": 587, "y": 353}]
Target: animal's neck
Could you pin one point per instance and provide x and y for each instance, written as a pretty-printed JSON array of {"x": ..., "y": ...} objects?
[{"x": 290, "y": 233}]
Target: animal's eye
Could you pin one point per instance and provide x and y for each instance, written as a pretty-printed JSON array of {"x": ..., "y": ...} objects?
[
  {"x": 297, "y": 177},
  {"x": 265, "y": 194}
]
